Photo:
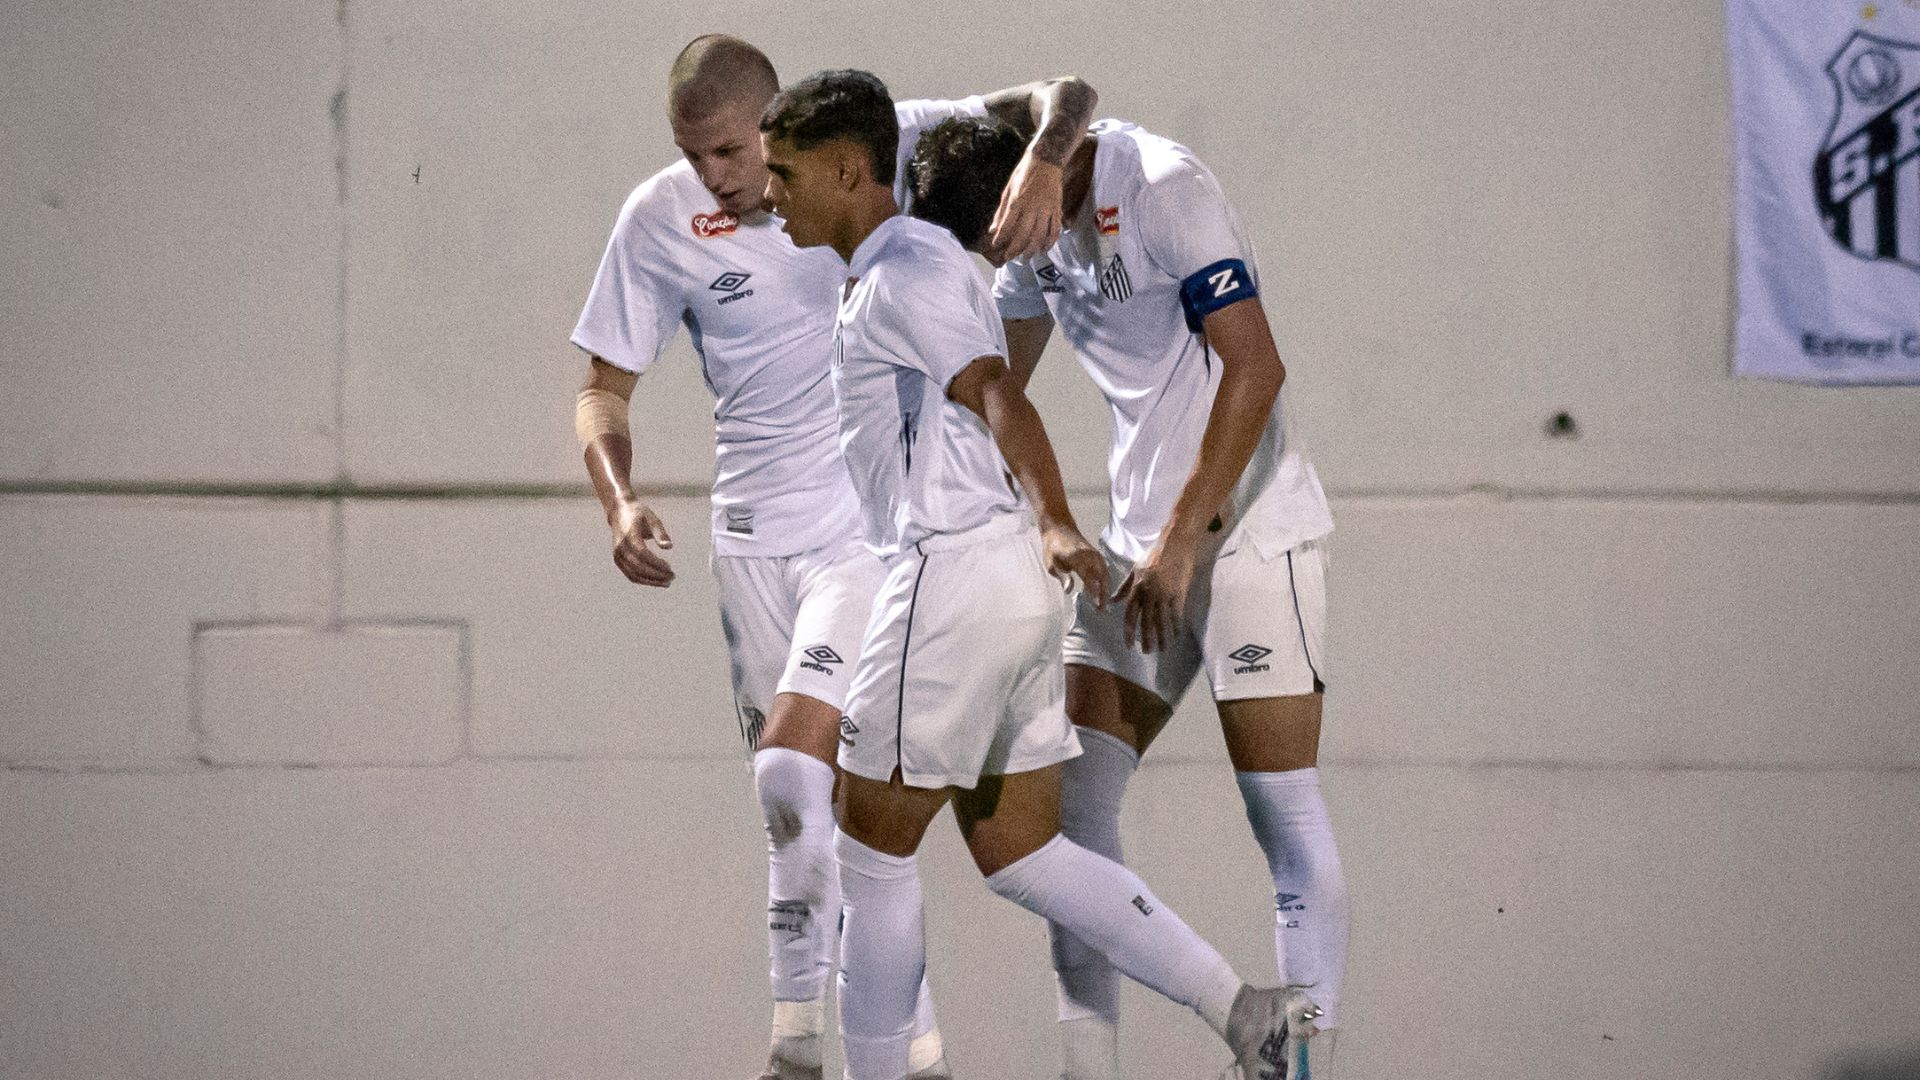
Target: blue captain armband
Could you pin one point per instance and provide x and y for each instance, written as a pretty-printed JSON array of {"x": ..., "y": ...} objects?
[{"x": 1213, "y": 287}]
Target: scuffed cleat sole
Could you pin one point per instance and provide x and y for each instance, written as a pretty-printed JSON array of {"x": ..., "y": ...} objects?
[
  {"x": 779, "y": 1068},
  {"x": 1268, "y": 1030},
  {"x": 939, "y": 1070}
]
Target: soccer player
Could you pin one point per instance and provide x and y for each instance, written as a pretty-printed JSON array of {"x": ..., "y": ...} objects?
[
  {"x": 1215, "y": 529},
  {"x": 694, "y": 245},
  {"x": 959, "y": 694}
]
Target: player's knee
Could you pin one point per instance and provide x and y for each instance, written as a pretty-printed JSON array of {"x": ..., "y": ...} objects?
[{"x": 796, "y": 793}]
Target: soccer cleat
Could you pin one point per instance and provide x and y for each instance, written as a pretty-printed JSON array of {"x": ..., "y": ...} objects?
[
  {"x": 779, "y": 1068},
  {"x": 939, "y": 1070},
  {"x": 1313, "y": 1057},
  {"x": 1269, "y": 1029}
]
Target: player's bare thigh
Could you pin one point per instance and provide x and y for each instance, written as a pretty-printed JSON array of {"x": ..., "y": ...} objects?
[
  {"x": 1275, "y": 734},
  {"x": 1006, "y": 818},
  {"x": 804, "y": 723},
  {"x": 1107, "y": 703},
  {"x": 889, "y": 817}
]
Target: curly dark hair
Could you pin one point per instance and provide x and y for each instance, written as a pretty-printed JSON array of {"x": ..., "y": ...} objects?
[
  {"x": 958, "y": 172},
  {"x": 847, "y": 104}
]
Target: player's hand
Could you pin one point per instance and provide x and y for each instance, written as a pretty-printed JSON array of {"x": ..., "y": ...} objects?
[
  {"x": 1028, "y": 221},
  {"x": 634, "y": 526},
  {"x": 1156, "y": 593},
  {"x": 1071, "y": 558}
]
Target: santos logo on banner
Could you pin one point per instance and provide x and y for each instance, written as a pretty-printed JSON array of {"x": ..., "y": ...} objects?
[{"x": 1826, "y": 113}]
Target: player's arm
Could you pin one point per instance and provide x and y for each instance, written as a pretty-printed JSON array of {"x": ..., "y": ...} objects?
[
  {"x": 1054, "y": 115},
  {"x": 1250, "y": 376},
  {"x": 600, "y": 419},
  {"x": 989, "y": 390},
  {"x": 1026, "y": 340}
]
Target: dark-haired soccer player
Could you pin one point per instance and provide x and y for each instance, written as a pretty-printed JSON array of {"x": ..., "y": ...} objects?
[
  {"x": 1216, "y": 524},
  {"x": 958, "y": 695},
  {"x": 694, "y": 245}
]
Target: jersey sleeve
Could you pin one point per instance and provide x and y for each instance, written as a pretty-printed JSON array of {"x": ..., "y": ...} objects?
[
  {"x": 631, "y": 310},
  {"x": 935, "y": 318},
  {"x": 916, "y": 117},
  {"x": 1191, "y": 233},
  {"x": 1016, "y": 291}
]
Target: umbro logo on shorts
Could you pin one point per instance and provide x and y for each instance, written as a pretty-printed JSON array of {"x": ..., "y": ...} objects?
[
  {"x": 1249, "y": 657},
  {"x": 752, "y": 723},
  {"x": 1141, "y": 903},
  {"x": 730, "y": 283},
  {"x": 819, "y": 658},
  {"x": 848, "y": 729}
]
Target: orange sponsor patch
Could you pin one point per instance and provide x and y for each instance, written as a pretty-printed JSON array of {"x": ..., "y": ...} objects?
[
  {"x": 1107, "y": 220},
  {"x": 719, "y": 223}
]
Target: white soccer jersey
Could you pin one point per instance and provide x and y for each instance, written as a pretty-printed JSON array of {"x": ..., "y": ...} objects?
[
  {"x": 760, "y": 312},
  {"x": 915, "y": 314},
  {"x": 1156, "y": 219}
]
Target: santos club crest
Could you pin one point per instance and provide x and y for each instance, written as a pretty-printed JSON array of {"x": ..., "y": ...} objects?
[{"x": 1867, "y": 176}]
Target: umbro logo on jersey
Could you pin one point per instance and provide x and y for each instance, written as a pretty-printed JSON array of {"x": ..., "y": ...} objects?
[
  {"x": 1107, "y": 220},
  {"x": 1049, "y": 276},
  {"x": 819, "y": 658},
  {"x": 1249, "y": 657},
  {"x": 848, "y": 729},
  {"x": 708, "y": 226},
  {"x": 730, "y": 283}
]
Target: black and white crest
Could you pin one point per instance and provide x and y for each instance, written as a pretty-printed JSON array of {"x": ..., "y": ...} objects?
[
  {"x": 1866, "y": 178},
  {"x": 1114, "y": 282}
]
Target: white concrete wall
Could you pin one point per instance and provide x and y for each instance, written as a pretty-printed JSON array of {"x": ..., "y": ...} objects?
[{"x": 331, "y": 745}]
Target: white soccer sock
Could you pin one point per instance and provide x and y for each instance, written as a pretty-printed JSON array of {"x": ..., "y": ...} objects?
[
  {"x": 883, "y": 959},
  {"x": 1289, "y": 818},
  {"x": 927, "y": 1047},
  {"x": 803, "y": 885},
  {"x": 1107, "y": 906},
  {"x": 1091, "y": 788}
]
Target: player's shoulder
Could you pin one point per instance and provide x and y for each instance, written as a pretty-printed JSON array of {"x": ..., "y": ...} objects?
[
  {"x": 1140, "y": 160},
  {"x": 921, "y": 112},
  {"x": 662, "y": 200},
  {"x": 920, "y": 251}
]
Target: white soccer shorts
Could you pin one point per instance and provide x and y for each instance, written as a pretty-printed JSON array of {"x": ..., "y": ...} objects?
[
  {"x": 793, "y": 625},
  {"x": 1256, "y": 625},
  {"x": 960, "y": 674}
]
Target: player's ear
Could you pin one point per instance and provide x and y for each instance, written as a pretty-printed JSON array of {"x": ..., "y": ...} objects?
[{"x": 853, "y": 165}]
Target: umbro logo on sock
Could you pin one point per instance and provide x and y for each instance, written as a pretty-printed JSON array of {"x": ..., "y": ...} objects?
[
  {"x": 819, "y": 657},
  {"x": 1141, "y": 903},
  {"x": 1249, "y": 657},
  {"x": 848, "y": 729},
  {"x": 1287, "y": 901}
]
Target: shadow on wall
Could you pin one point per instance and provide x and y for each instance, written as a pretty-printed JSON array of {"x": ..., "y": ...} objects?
[{"x": 1876, "y": 1065}]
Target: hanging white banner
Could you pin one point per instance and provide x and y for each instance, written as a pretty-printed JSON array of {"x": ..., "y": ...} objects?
[{"x": 1826, "y": 119}]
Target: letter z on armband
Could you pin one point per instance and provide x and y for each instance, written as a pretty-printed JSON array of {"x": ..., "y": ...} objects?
[{"x": 1213, "y": 287}]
